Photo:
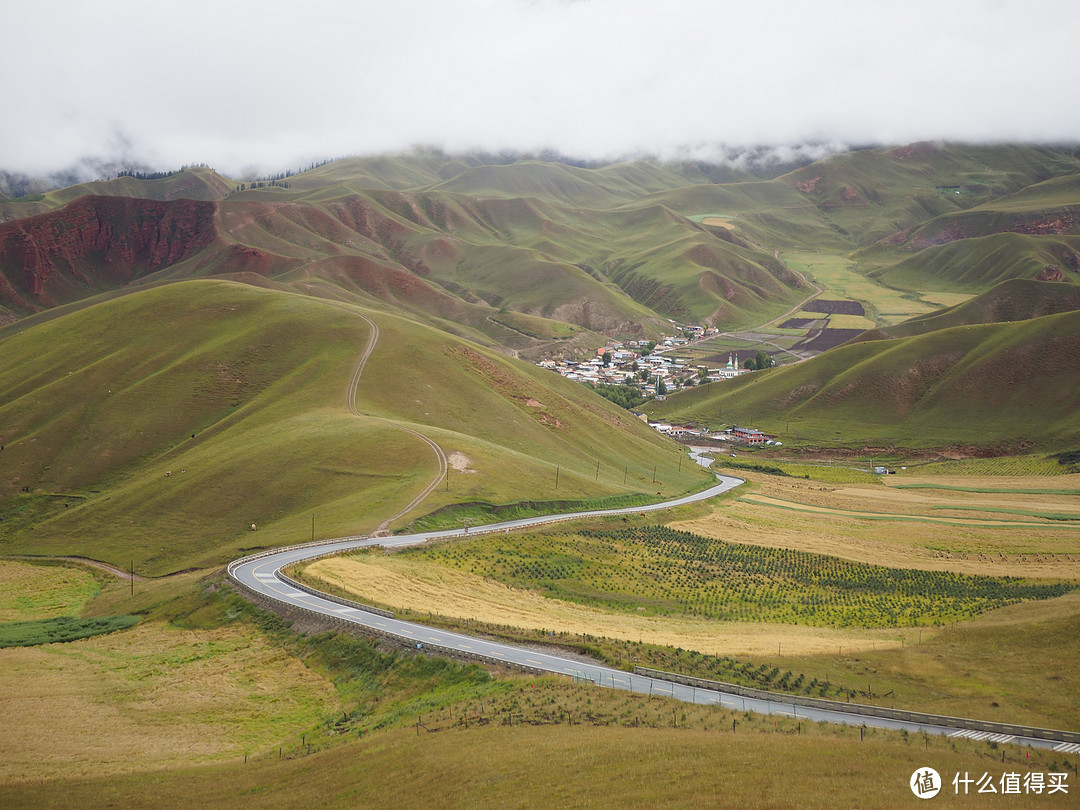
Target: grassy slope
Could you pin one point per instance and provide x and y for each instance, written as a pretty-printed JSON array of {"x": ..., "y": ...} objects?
[
  {"x": 239, "y": 393},
  {"x": 985, "y": 385},
  {"x": 787, "y": 766},
  {"x": 532, "y": 237},
  {"x": 1012, "y": 236},
  {"x": 1012, "y": 300},
  {"x": 872, "y": 194},
  {"x": 976, "y": 263},
  {"x": 191, "y": 184}
]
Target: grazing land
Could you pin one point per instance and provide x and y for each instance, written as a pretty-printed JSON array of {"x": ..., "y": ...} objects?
[
  {"x": 148, "y": 698},
  {"x": 32, "y": 592}
]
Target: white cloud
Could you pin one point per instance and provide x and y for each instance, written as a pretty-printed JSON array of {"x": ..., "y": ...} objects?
[{"x": 239, "y": 83}]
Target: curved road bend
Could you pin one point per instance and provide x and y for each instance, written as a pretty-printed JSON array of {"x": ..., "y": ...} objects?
[{"x": 261, "y": 573}]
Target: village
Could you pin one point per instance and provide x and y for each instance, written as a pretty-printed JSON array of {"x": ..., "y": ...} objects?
[
  {"x": 652, "y": 369},
  {"x": 646, "y": 365}
]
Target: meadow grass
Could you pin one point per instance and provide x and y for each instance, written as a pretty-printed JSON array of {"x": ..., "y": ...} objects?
[
  {"x": 149, "y": 697},
  {"x": 44, "y": 591},
  {"x": 1018, "y": 465},
  {"x": 60, "y": 629},
  {"x": 826, "y": 473},
  {"x": 978, "y": 489},
  {"x": 701, "y": 762},
  {"x": 849, "y": 322}
]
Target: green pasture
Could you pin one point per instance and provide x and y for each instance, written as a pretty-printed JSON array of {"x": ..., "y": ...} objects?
[{"x": 44, "y": 590}]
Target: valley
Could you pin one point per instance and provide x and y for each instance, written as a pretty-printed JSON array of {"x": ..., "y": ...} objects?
[{"x": 197, "y": 368}]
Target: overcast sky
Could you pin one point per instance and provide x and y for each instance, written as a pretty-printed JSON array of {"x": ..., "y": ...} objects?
[{"x": 268, "y": 84}]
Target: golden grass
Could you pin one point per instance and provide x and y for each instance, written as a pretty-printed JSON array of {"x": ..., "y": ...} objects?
[
  {"x": 405, "y": 582},
  {"x": 498, "y": 766},
  {"x": 43, "y": 591},
  {"x": 1017, "y": 664},
  {"x": 149, "y": 698},
  {"x": 835, "y": 520}
]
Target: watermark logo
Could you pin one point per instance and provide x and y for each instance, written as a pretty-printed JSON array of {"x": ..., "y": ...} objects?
[{"x": 925, "y": 783}]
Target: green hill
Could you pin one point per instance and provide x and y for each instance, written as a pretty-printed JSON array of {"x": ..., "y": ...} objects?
[
  {"x": 996, "y": 386},
  {"x": 158, "y": 426},
  {"x": 871, "y": 194},
  {"x": 1013, "y": 300}
]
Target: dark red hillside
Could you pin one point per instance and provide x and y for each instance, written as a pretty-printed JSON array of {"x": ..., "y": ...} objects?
[{"x": 96, "y": 242}]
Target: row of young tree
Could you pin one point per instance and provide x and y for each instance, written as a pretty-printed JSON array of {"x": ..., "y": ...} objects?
[
  {"x": 159, "y": 175},
  {"x": 259, "y": 184}
]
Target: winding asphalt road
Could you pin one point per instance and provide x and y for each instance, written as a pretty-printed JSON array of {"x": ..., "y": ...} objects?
[{"x": 262, "y": 574}]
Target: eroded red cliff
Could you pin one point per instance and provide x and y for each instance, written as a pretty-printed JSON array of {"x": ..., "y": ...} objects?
[{"x": 97, "y": 242}]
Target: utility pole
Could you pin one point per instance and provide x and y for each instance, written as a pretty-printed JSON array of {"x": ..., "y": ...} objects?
[{"x": 556, "y": 478}]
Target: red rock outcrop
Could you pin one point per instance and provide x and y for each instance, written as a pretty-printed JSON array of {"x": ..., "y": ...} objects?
[
  {"x": 1052, "y": 272},
  {"x": 97, "y": 241}
]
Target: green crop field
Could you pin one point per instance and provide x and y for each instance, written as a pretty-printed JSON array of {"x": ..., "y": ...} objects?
[
  {"x": 839, "y": 277},
  {"x": 666, "y": 572},
  {"x": 61, "y": 629}
]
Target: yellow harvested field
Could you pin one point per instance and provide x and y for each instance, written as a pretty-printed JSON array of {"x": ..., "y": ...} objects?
[
  {"x": 149, "y": 698},
  {"x": 402, "y": 582},
  {"x": 719, "y": 222},
  {"x": 902, "y": 527}
]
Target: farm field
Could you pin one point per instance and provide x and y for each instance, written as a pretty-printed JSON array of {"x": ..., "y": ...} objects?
[
  {"x": 836, "y": 275},
  {"x": 402, "y": 581},
  {"x": 949, "y": 667},
  {"x": 892, "y": 526}
]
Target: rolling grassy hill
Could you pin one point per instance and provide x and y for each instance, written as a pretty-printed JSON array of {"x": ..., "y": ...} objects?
[
  {"x": 198, "y": 183},
  {"x": 996, "y": 386},
  {"x": 1013, "y": 300},
  {"x": 871, "y": 194},
  {"x": 157, "y": 426},
  {"x": 456, "y": 240}
]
